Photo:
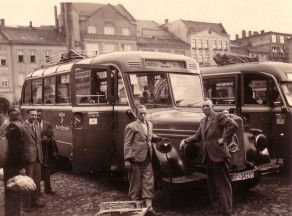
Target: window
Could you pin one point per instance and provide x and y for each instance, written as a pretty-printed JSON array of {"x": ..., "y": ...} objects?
[
  {"x": 199, "y": 43},
  {"x": 219, "y": 45},
  {"x": 47, "y": 56},
  {"x": 91, "y": 29},
  {"x": 225, "y": 45},
  {"x": 92, "y": 49},
  {"x": 20, "y": 56},
  {"x": 49, "y": 90},
  {"x": 193, "y": 43},
  {"x": 122, "y": 96},
  {"x": 3, "y": 61},
  {"x": 282, "y": 39},
  {"x": 126, "y": 31},
  {"x": 255, "y": 89},
  {"x": 200, "y": 58},
  {"x": 127, "y": 47},
  {"x": 214, "y": 44},
  {"x": 220, "y": 90},
  {"x": 37, "y": 91},
  {"x": 109, "y": 29},
  {"x": 150, "y": 90},
  {"x": 63, "y": 89},
  {"x": 205, "y": 44},
  {"x": 3, "y": 81},
  {"x": 109, "y": 47},
  {"x": 21, "y": 78},
  {"x": 274, "y": 39},
  {"x": 207, "y": 58},
  {"x": 27, "y": 93},
  {"x": 91, "y": 86},
  {"x": 32, "y": 56}
]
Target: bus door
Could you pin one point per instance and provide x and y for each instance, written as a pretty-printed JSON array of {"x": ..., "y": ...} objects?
[
  {"x": 280, "y": 132},
  {"x": 93, "y": 117},
  {"x": 256, "y": 108},
  {"x": 123, "y": 116}
]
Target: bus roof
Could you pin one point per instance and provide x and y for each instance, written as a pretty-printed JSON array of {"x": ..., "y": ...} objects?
[
  {"x": 129, "y": 62},
  {"x": 280, "y": 70}
]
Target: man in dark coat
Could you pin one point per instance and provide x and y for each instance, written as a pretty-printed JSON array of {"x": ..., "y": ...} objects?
[
  {"x": 33, "y": 157},
  {"x": 215, "y": 130},
  {"x": 50, "y": 151}
]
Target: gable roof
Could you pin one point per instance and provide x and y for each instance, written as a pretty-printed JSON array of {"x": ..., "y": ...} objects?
[
  {"x": 87, "y": 10},
  {"x": 200, "y": 26},
  {"x": 150, "y": 32},
  {"x": 33, "y": 35}
]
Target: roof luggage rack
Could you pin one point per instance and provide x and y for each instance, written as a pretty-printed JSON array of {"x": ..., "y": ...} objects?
[{"x": 226, "y": 59}]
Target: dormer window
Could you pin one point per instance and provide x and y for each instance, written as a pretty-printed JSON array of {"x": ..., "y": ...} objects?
[
  {"x": 91, "y": 29},
  {"x": 109, "y": 28}
]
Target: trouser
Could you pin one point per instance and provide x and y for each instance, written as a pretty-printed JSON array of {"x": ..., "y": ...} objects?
[
  {"x": 46, "y": 172},
  {"x": 141, "y": 180},
  {"x": 33, "y": 170},
  {"x": 219, "y": 185},
  {"x": 12, "y": 199}
]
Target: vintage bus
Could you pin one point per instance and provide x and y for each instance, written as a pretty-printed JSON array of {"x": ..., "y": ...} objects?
[
  {"x": 90, "y": 101},
  {"x": 259, "y": 92}
]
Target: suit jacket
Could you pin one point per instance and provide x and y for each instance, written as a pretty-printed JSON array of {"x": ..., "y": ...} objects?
[
  {"x": 219, "y": 125},
  {"x": 14, "y": 137},
  {"x": 137, "y": 143},
  {"x": 49, "y": 146},
  {"x": 32, "y": 144}
]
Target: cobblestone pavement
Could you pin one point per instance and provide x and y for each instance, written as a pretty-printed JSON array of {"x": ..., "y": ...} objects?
[{"x": 81, "y": 195}]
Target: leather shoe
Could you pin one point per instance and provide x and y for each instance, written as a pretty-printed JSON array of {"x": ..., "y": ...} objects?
[
  {"x": 151, "y": 212},
  {"x": 38, "y": 204},
  {"x": 50, "y": 192}
]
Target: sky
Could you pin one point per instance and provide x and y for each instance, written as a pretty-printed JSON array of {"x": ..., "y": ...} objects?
[{"x": 235, "y": 15}]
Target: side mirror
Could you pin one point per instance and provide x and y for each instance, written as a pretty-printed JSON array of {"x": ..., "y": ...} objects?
[
  {"x": 130, "y": 114},
  {"x": 284, "y": 109}
]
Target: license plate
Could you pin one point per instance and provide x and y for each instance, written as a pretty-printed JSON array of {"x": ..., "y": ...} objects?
[{"x": 242, "y": 175}]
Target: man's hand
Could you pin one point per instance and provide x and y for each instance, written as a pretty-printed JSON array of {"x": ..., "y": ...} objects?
[
  {"x": 220, "y": 141},
  {"x": 182, "y": 145},
  {"x": 22, "y": 171},
  {"x": 45, "y": 139},
  {"x": 127, "y": 165}
]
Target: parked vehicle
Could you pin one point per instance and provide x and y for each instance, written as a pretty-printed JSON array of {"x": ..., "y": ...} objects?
[
  {"x": 90, "y": 101},
  {"x": 260, "y": 93}
]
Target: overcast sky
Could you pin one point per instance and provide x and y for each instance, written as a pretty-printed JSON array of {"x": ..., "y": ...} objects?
[{"x": 235, "y": 15}]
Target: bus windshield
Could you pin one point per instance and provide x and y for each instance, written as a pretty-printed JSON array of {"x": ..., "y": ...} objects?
[
  {"x": 153, "y": 89},
  {"x": 287, "y": 90}
]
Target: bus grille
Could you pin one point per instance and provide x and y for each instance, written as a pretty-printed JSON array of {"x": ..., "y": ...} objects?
[{"x": 134, "y": 64}]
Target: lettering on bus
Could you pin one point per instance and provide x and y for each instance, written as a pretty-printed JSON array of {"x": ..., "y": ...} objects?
[
  {"x": 61, "y": 115},
  {"x": 62, "y": 128}
]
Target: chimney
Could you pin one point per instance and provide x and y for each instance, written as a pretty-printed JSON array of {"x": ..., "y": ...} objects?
[
  {"x": 56, "y": 18},
  {"x": 2, "y": 22},
  {"x": 243, "y": 34},
  {"x": 262, "y": 31},
  {"x": 255, "y": 33},
  {"x": 249, "y": 33},
  {"x": 236, "y": 37},
  {"x": 30, "y": 24},
  {"x": 166, "y": 21}
]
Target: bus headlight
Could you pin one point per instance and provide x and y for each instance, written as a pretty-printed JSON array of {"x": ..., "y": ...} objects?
[{"x": 261, "y": 142}]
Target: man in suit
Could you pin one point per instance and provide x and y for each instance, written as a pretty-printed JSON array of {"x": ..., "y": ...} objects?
[
  {"x": 49, "y": 149},
  {"x": 215, "y": 131},
  {"x": 137, "y": 155},
  {"x": 14, "y": 164},
  {"x": 33, "y": 157}
]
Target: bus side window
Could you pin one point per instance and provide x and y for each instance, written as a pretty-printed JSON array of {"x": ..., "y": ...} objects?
[
  {"x": 37, "y": 91},
  {"x": 49, "y": 90},
  {"x": 63, "y": 89},
  {"x": 122, "y": 96},
  {"x": 255, "y": 89},
  {"x": 27, "y": 93}
]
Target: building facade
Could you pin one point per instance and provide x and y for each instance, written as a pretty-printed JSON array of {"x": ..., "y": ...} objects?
[
  {"x": 273, "y": 44},
  {"x": 22, "y": 50},
  {"x": 205, "y": 39},
  {"x": 152, "y": 37},
  {"x": 97, "y": 28},
  {"x": 289, "y": 42}
]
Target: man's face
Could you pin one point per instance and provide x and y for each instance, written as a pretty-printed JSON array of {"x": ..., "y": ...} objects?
[
  {"x": 39, "y": 116},
  {"x": 141, "y": 114},
  {"x": 32, "y": 116},
  {"x": 207, "y": 107}
]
